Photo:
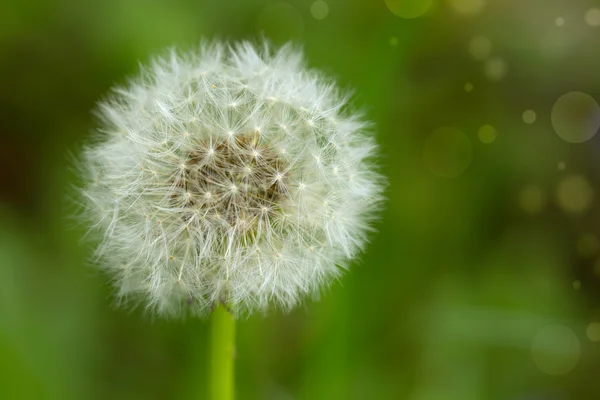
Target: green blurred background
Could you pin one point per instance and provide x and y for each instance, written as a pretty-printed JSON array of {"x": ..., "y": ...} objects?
[{"x": 483, "y": 279}]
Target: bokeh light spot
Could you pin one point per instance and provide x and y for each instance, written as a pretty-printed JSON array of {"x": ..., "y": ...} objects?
[
  {"x": 495, "y": 69},
  {"x": 394, "y": 41},
  {"x": 559, "y": 21},
  {"x": 280, "y": 22},
  {"x": 529, "y": 116},
  {"x": 532, "y": 199},
  {"x": 588, "y": 245},
  {"x": 468, "y": 87},
  {"x": 467, "y": 7},
  {"x": 593, "y": 331},
  {"x": 408, "y": 8},
  {"x": 576, "y": 117},
  {"x": 574, "y": 194},
  {"x": 447, "y": 152},
  {"x": 562, "y": 165},
  {"x": 592, "y": 17},
  {"x": 556, "y": 350},
  {"x": 480, "y": 48},
  {"x": 487, "y": 134},
  {"x": 577, "y": 284},
  {"x": 319, "y": 9}
]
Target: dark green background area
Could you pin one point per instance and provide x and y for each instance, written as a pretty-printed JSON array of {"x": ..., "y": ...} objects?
[{"x": 464, "y": 280}]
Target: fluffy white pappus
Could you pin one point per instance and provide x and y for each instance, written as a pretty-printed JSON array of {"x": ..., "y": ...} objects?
[{"x": 228, "y": 174}]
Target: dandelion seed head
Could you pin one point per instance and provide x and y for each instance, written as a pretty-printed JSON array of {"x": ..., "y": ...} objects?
[{"x": 242, "y": 177}]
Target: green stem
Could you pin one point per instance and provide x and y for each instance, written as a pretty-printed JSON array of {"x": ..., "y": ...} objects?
[{"x": 222, "y": 349}]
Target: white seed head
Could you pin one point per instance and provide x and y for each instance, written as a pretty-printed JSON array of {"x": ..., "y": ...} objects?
[{"x": 228, "y": 174}]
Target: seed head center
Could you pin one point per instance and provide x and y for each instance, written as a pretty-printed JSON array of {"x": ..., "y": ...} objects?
[{"x": 236, "y": 178}]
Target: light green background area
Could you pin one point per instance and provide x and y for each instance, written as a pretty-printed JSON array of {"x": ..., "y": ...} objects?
[{"x": 479, "y": 282}]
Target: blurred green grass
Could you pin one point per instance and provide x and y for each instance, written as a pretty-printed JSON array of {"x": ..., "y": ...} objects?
[{"x": 461, "y": 278}]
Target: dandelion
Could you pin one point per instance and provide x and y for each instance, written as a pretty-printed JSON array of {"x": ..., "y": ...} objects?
[{"x": 231, "y": 174}]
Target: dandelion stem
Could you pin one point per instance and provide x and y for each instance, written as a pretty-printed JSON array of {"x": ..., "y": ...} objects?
[{"x": 222, "y": 349}]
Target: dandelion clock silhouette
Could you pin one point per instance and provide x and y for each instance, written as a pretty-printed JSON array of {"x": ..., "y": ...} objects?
[{"x": 229, "y": 175}]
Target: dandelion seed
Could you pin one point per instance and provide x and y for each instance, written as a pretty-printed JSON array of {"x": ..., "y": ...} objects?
[{"x": 219, "y": 154}]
